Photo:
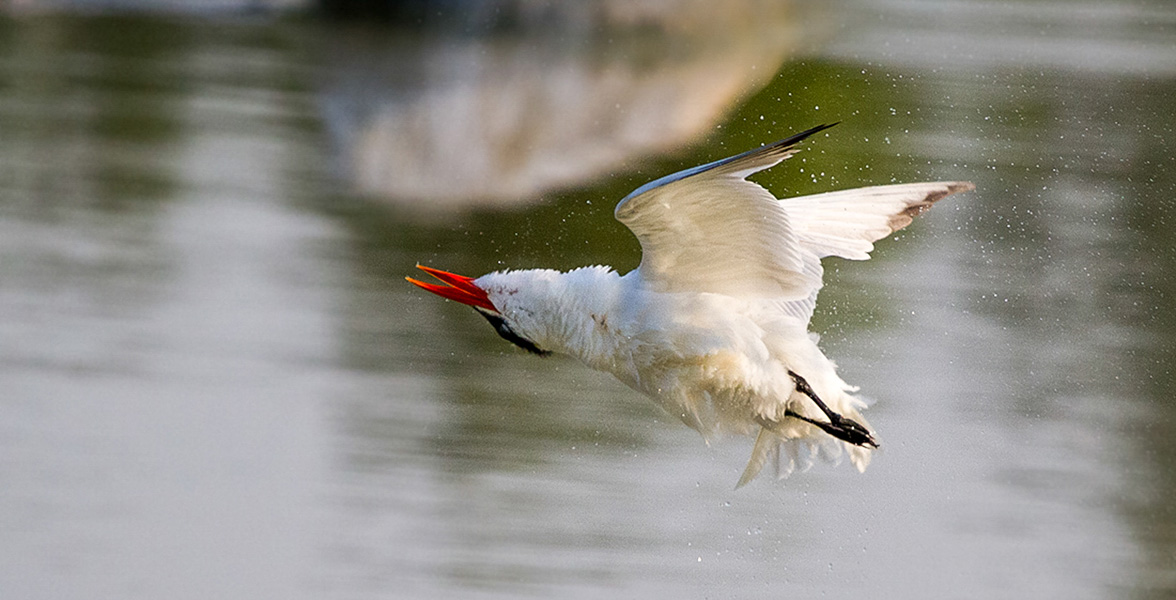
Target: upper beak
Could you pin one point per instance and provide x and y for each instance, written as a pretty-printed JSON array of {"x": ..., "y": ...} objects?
[{"x": 458, "y": 287}]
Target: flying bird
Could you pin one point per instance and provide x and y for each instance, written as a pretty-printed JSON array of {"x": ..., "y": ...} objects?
[{"x": 713, "y": 324}]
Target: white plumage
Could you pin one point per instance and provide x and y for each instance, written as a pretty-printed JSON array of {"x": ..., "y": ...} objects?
[{"x": 713, "y": 324}]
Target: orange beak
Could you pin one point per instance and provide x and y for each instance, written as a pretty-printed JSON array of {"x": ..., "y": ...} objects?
[{"x": 457, "y": 287}]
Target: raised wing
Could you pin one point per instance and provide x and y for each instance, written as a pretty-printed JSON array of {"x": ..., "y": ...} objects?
[
  {"x": 848, "y": 222},
  {"x": 708, "y": 229}
]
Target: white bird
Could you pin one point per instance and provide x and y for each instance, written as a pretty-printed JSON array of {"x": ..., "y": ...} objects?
[{"x": 713, "y": 324}]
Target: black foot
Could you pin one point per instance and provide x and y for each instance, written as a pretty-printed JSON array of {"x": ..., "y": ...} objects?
[{"x": 838, "y": 426}]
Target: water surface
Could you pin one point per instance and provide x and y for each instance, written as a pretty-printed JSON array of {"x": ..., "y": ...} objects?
[{"x": 217, "y": 383}]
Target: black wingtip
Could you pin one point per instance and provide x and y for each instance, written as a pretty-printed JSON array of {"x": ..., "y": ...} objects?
[
  {"x": 806, "y": 133},
  {"x": 786, "y": 144},
  {"x": 765, "y": 157},
  {"x": 792, "y": 140}
]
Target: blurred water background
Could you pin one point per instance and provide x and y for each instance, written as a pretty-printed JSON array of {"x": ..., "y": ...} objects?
[{"x": 215, "y": 382}]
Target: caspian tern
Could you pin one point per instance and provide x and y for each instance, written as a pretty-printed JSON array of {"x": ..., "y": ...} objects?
[{"x": 713, "y": 324}]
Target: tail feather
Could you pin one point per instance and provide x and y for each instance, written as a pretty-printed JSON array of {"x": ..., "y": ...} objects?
[
  {"x": 797, "y": 454},
  {"x": 788, "y": 456},
  {"x": 789, "y": 460},
  {"x": 765, "y": 445}
]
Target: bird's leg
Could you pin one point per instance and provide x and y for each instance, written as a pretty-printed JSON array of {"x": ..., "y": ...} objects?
[{"x": 838, "y": 426}]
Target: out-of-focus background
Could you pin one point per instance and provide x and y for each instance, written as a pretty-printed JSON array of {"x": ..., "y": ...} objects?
[{"x": 215, "y": 382}]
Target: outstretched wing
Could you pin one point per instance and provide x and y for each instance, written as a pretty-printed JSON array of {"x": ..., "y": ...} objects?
[
  {"x": 848, "y": 222},
  {"x": 708, "y": 229}
]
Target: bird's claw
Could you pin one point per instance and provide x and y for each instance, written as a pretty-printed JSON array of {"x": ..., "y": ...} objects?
[
  {"x": 838, "y": 426},
  {"x": 848, "y": 430}
]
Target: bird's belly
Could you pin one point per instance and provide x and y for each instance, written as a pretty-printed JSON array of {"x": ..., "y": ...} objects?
[
  {"x": 712, "y": 361},
  {"x": 732, "y": 383},
  {"x": 719, "y": 391}
]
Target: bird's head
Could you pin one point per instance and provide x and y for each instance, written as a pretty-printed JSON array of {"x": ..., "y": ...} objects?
[
  {"x": 513, "y": 322},
  {"x": 542, "y": 310}
]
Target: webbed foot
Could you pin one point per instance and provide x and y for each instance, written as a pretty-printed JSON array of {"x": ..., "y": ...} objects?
[{"x": 838, "y": 426}]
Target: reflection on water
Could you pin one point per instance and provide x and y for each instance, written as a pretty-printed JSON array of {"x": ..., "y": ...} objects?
[
  {"x": 446, "y": 120},
  {"x": 217, "y": 383}
]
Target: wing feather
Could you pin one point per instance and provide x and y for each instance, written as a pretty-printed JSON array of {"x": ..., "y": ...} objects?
[
  {"x": 708, "y": 229},
  {"x": 846, "y": 223}
]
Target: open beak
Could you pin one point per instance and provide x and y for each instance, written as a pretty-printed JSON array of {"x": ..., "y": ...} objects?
[{"x": 457, "y": 287}]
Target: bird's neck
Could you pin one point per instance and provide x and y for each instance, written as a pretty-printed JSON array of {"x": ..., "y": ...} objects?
[{"x": 580, "y": 313}]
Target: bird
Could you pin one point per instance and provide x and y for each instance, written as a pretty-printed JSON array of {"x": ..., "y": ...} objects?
[{"x": 713, "y": 324}]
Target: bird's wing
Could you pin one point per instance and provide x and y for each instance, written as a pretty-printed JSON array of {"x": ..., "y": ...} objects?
[
  {"x": 848, "y": 222},
  {"x": 708, "y": 229}
]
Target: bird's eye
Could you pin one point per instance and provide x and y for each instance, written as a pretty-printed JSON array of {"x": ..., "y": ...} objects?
[{"x": 510, "y": 335}]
